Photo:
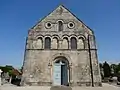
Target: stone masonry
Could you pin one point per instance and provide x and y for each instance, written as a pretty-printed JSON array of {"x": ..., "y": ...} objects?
[{"x": 50, "y": 39}]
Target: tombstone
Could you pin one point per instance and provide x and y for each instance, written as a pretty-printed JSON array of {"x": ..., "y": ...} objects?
[
  {"x": 60, "y": 88},
  {"x": 0, "y": 76}
]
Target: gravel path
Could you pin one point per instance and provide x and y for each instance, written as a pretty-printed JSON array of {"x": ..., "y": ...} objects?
[{"x": 104, "y": 87}]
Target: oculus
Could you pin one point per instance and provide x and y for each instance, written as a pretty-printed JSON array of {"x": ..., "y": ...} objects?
[
  {"x": 48, "y": 25},
  {"x": 71, "y": 25}
]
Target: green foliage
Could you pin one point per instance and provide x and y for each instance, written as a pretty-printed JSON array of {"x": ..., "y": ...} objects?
[
  {"x": 100, "y": 65},
  {"x": 110, "y": 70},
  {"x": 7, "y": 69},
  {"x": 116, "y": 68},
  {"x": 106, "y": 69}
]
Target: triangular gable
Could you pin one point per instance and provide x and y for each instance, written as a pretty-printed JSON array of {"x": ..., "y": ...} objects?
[{"x": 62, "y": 10}]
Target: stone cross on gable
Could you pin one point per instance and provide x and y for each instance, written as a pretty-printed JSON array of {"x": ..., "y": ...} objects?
[
  {"x": 0, "y": 76},
  {"x": 60, "y": 10}
]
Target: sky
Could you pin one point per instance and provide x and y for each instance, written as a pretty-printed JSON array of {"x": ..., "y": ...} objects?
[{"x": 18, "y": 16}]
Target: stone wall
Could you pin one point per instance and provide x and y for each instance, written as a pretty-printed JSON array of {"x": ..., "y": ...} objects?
[
  {"x": 39, "y": 66},
  {"x": 38, "y": 61}
]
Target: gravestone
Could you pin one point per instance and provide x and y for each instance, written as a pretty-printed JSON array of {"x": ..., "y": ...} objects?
[{"x": 60, "y": 88}]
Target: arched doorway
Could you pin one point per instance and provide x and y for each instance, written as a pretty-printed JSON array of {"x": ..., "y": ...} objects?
[{"x": 61, "y": 71}]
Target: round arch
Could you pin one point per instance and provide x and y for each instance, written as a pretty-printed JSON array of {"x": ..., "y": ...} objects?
[
  {"x": 65, "y": 42},
  {"x": 39, "y": 36},
  {"x": 53, "y": 58},
  {"x": 55, "y": 42},
  {"x": 47, "y": 42},
  {"x": 73, "y": 43},
  {"x": 65, "y": 36},
  {"x": 61, "y": 58},
  {"x": 60, "y": 69},
  {"x": 55, "y": 36},
  {"x": 75, "y": 36},
  {"x": 47, "y": 35},
  {"x": 81, "y": 42},
  {"x": 60, "y": 21},
  {"x": 82, "y": 36}
]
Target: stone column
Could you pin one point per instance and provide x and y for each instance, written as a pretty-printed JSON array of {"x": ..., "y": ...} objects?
[{"x": 0, "y": 76}]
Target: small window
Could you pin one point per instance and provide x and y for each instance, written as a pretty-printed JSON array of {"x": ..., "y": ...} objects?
[
  {"x": 60, "y": 25},
  {"x": 48, "y": 25},
  {"x": 39, "y": 43},
  {"x": 65, "y": 43},
  {"x": 54, "y": 43},
  {"x": 73, "y": 43},
  {"x": 47, "y": 43},
  {"x": 81, "y": 44},
  {"x": 71, "y": 25}
]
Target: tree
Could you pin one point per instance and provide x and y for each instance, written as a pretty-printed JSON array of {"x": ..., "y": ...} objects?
[
  {"x": 116, "y": 69},
  {"x": 106, "y": 69},
  {"x": 101, "y": 70},
  {"x": 6, "y": 69},
  {"x": 101, "y": 66}
]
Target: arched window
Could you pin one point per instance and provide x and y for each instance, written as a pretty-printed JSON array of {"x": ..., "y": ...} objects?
[
  {"x": 73, "y": 43},
  {"x": 65, "y": 44},
  {"x": 39, "y": 43},
  {"x": 47, "y": 43},
  {"x": 60, "y": 25},
  {"x": 81, "y": 43},
  {"x": 54, "y": 43}
]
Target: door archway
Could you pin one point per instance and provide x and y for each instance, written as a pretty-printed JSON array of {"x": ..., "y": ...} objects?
[{"x": 61, "y": 71}]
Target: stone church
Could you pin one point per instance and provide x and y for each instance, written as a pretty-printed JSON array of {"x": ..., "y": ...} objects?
[{"x": 61, "y": 50}]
